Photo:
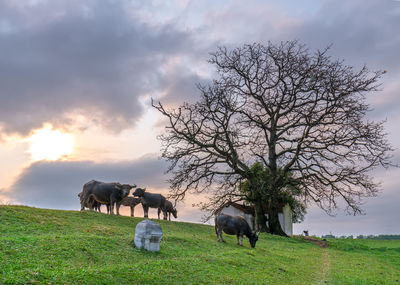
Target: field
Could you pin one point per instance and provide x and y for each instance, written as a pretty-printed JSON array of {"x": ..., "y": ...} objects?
[{"x": 42, "y": 246}]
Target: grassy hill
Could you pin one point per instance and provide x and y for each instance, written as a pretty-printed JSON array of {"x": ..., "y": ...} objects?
[{"x": 42, "y": 246}]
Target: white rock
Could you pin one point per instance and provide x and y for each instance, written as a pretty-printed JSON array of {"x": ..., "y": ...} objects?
[{"x": 148, "y": 235}]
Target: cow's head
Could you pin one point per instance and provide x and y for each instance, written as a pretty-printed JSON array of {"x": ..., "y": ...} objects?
[
  {"x": 174, "y": 213},
  {"x": 80, "y": 195},
  {"x": 124, "y": 188},
  {"x": 139, "y": 192},
  {"x": 253, "y": 239}
]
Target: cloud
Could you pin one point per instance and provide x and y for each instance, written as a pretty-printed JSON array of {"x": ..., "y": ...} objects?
[
  {"x": 92, "y": 58},
  {"x": 56, "y": 184},
  {"x": 61, "y": 59},
  {"x": 181, "y": 88},
  {"x": 361, "y": 33}
]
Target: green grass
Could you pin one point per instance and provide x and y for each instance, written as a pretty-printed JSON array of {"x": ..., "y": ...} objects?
[
  {"x": 365, "y": 261},
  {"x": 68, "y": 247}
]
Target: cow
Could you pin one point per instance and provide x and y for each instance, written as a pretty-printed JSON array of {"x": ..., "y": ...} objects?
[
  {"x": 234, "y": 225},
  {"x": 170, "y": 210},
  {"x": 91, "y": 203},
  {"x": 130, "y": 202},
  {"x": 105, "y": 193},
  {"x": 150, "y": 200}
]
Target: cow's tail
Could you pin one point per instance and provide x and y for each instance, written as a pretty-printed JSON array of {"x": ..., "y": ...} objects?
[{"x": 215, "y": 226}]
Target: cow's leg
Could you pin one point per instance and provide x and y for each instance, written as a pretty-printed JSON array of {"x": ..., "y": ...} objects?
[
  {"x": 237, "y": 239},
  {"x": 165, "y": 213},
  {"x": 117, "y": 204},
  {"x": 112, "y": 202},
  {"x": 90, "y": 203},
  {"x": 241, "y": 239},
  {"x": 169, "y": 216},
  {"x": 220, "y": 235},
  {"x": 158, "y": 212},
  {"x": 216, "y": 232},
  {"x": 146, "y": 211},
  {"x": 132, "y": 211}
]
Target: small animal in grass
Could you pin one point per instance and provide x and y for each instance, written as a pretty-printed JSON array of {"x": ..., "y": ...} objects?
[
  {"x": 150, "y": 200},
  {"x": 170, "y": 210},
  {"x": 91, "y": 203},
  {"x": 129, "y": 202}
]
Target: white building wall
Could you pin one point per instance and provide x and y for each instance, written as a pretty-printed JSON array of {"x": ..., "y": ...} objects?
[
  {"x": 236, "y": 212},
  {"x": 287, "y": 218},
  {"x": 229, "y": 211},
  {"x": 281, "y": 221}
]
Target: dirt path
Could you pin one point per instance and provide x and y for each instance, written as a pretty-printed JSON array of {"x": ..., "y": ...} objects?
[
  {"x": 326, "y": 263},
  {"x": 325, "y": 269},
  {"x": 320, "y": 243}
]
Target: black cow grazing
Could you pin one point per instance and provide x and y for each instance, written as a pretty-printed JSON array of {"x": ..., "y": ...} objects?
[
  {"x": 130, "y": 202},
  {"x": 105, "y": 193},
  {"x": 234, "y": 226},
  {"x": 150, "y": 200},
  {"x": 91, "y": 203},
  {"x": 170, "y": 210}
]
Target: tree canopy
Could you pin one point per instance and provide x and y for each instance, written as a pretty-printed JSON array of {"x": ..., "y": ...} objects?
[
  {"x": 291, "y": 194},
  {"x": 295, "y": 112}
]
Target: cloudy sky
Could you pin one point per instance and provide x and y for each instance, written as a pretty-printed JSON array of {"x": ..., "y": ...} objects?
[{"x": 76, "y": 78}]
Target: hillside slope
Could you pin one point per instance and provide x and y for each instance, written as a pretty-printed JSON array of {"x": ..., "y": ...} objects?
[{"x": 51, "y": 246}]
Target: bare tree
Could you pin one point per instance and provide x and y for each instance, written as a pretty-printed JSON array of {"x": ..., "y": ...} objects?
[{"x": 294, "y": 111}]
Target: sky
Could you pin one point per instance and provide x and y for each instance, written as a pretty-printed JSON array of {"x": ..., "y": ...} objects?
[{"x": 77, "y": 78}]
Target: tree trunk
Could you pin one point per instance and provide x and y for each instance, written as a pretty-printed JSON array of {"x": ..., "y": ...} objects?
[
  {"x": 261, "y": 221},
  {"x": 273, "y": 219}
]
